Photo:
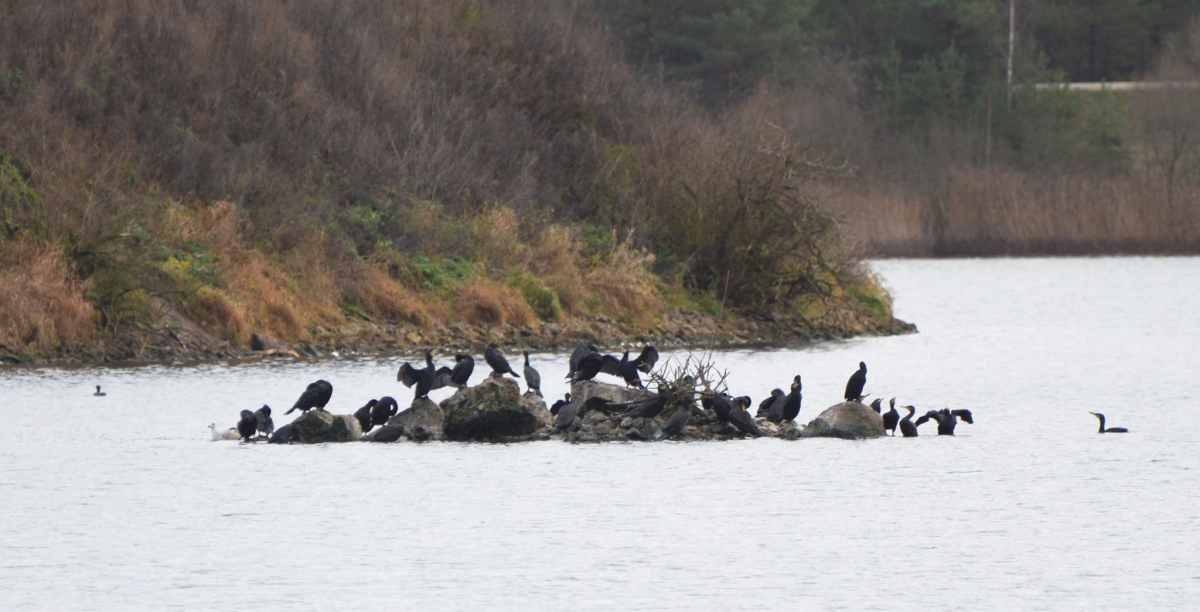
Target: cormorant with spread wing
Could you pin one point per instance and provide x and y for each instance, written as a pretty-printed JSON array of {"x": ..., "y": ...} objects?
[
  {"x": 424, "y": 378},
  {"x": 628, "y": 370},
  {"x": 946, "y": 419},
  {"x": 316, "y": 395}
]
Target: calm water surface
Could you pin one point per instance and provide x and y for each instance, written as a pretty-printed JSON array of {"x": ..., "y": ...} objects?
[{"x": 122, "y": 502}]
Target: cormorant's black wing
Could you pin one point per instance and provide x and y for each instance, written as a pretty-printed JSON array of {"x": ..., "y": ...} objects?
[
  {"x": 610, "y": 365},
  {"x": 921, "y": 420},
  {"x": 408, "y": 375},
  {"x": 645, "y": 362},
  {"x": 963, "y": 414},
  {"x": 443, "y": 377},
  {"x": 577, "y": 355},
  {"x": 311, "y": 398},
  {"x": 764, "y": 407}
]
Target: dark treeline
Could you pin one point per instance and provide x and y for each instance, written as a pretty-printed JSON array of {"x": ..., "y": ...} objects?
[{"x": 949, "y": 159}]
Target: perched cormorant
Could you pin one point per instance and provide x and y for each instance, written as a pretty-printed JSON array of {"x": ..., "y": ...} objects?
[
  {"x": 532, "y": 378},
  {"x": 98, "y": 392},
  {"x": 588, "y": 367},
  {"x": 265, "y": 425},
  {"x": 284, "y": 435},
  {"x": 719, "y": 403},
  {"x": 315, "y": 396},
  {"x": 422, "y": 378},
  {"x": 946, "y": 419},
  {"x": 577, "y": 355},
  {"x": 464, "y": 365},
  {"x": 559, "y": 404},
  {"x": 1110, "y": 429},
  {"x": 742, "y": 419},
  {"x": 566, "y": 416},
  {"x": 858, "y": 380},
  {"x": 650, "y": 407},
  {"x": 877, "y": 405},
  {"x": 791, "y": 404},
  {"x": 495, "y": 359},
  {"x": 363, "y": 415},
  {"x": 383, "y": 410},
  {"x": 388, "y": 433},
  {"x": 765, "y": 406},
  {"x": 891, "y": 418},
  {"x": 907, "y": 429},
  {"x": 678, "y": 421},
  {"x": 247, "y": 426}
]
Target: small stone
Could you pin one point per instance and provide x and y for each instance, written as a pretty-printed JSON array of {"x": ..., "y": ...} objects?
[{"x": 626, "y": 423}]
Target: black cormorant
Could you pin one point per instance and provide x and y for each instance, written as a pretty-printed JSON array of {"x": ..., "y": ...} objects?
[
  {"x": 765, "y": 406},
  {"x": 98, "y": 392},
  {"x": 648, "y": 408},
  {"x": 566, "y": 416},
  {"x": 558, "y": 404},
  {"x": 891, "y": 418},
  {"x": 284, "y": 435},
  {"x": 363, "y": 415},
  {"x": 247, "y": 426},
  {"x": 877, "y": 405},
  {"x": 907, "y": 429},
  {"x": 423, "y": 378},
  {"x": 464, "y": 365},
  {"x": 627, "y": 369},
  {"x": 678, "y": 421},
  {"x": 383, "y": 410},
  {"x": 858, "y": 380},
  {"x": 719, "y": 404},
  {"x": 946, "y": 419},
  {"x": 742, "y": 419},
  {"x": 316, "y": 395},
  {"x": 588, "y": 367},
  {"x": 577, "y": 355},
  {"x": 532, "y": 378},
  {"x": 265, "y": 425},
  {"x": 495, "y": 359},
  {"x": 791, "y": 404},
  {"x": 1110, "y": 429}
]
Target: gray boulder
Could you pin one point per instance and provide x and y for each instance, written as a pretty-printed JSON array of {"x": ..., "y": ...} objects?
[
  {"x": 584, "y": 390},
  {"x": 387, "y": 433},
  {"x": 848, "y": 420},
  {"x": 422, "y": 421},
  {"x": 316, "y": 426},
  {"x": 508, "y": 414}
]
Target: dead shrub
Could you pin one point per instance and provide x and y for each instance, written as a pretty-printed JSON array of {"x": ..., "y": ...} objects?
[
  {"x": 481, "y": 302},
  {"x": 42, "y": 307}
]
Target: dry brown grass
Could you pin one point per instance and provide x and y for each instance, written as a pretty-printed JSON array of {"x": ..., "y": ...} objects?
[
  {"x": 42, "y": 307},
  {"x": 624, "y": 286},
  {"x": 481, "y": 302},
  {"x": 371, "y": 289}
]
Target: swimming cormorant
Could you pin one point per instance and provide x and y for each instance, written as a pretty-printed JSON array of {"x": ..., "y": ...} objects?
[
  {"x": 891, "y": 418},
  {"x": 247, "y": 426},
  {"x": 577, "y": 355},
  {"x": 495, "y": 359},
  {"x": 742, "y": 419},
  {"x": 363, "y": 415},
  {"x": 98, "y": 392},
  {"x": 765, "y": 406},
  {"x": 383, "y": 410},
  {"x": 265, "y": 425},
  {"x": 1110, "y": 429},
  {"x": 316, "y": 395},
  {"x": 422, "y": 378},
  {"x": 791, "y": 403},
  {"x": 532, "y": 378},
  {"x": 907, "y": 429},
  {"x": 858, "y": 380}
]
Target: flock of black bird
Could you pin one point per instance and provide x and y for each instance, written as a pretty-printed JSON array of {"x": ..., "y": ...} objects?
[{"x": 585, "y": 363}]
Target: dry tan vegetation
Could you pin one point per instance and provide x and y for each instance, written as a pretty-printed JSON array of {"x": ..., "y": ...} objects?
[{"x": 41, "y": 305}]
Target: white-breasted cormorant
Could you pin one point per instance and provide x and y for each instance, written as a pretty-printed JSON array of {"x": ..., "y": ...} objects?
[
  {"x": 858, "y": 380},
  {"x": 98, "y": 392},
  {"x": 891, "y": 418},
  {"x": 383, "y": 410},
  {"x": 907, "y": 428},
  {"x": 247, "y": 426},
  {"x": 1110, "y": 429},
  {"x": 363, "y": 415},
  {"x": 495, "y": 360},
  {"x": 532, "y": 378},
  {"x": 265, "y": 425},
  {"x": 316, "y": 395}
]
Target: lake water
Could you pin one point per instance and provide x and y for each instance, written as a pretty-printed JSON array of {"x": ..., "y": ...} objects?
[{"x": 123, "y": 502}]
